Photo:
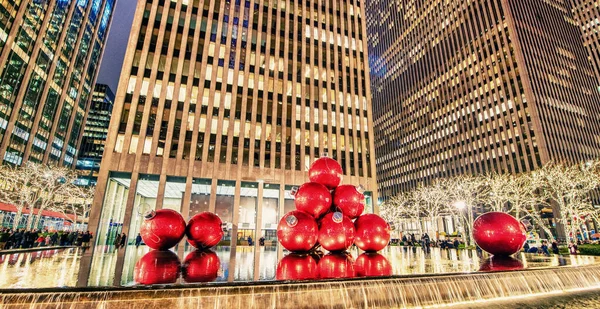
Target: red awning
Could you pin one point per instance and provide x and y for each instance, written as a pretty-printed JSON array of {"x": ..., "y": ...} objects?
[{"x": 45, "y": 213}]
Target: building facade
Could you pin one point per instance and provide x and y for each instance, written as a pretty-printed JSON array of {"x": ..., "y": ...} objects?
[
  {"x": 49, "y": 59},
  {"x": 223, "y": 105},
  {"x": 94, "y": 135},
  {"x": 587, "y": 13},
  {"x": 478, "y": 86}
]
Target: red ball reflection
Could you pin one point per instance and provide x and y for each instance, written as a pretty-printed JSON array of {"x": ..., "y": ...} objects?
[
  {"x": 501, "y": 263},
  {"x": 201, "y": 266},
  {"x": 336, "y": 232},
  {"x": 349, "y": 200},
  {"x": 336, "y": 266},
  {"x": 297, "y": 231},
  {"x": 372, "y": 265},
  {"x": 162, "y": 229},
  {"x": 313, "y": 198},
  {"x": 327, "y": 172},
  {"x": 499, "y": 233},
  {"x": 296, "y": 266},
  {"x": 204, "y": 230},
  {"x": 157, "y": 267},
  {"x": 372, "y": 232}
]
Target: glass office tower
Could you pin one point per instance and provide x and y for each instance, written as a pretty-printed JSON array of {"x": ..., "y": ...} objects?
[
  {"x": 94, "y": 135},
  {"x": 49, "y": 58}
]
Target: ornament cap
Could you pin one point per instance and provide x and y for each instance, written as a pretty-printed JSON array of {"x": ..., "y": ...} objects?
[
  {"x": 149, "y": 215},
  {"x": 361, "y": 189},
  {"x": 293, "y": 191},
  {"x": 338, "y": 217},
  {"x": 324, "y": 155},
  {"x": 291, "y": 220}
]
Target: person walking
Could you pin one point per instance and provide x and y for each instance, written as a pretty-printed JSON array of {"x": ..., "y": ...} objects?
[
  {"x": 117, "y": 241},
  {"x": 250, "y": 241},
  {"x": 4, "y": 235},
  {"x": 545, "y": 248},
  {"x": 573, "y": 249},
  {"x": 85, "y": 239},
  {"x": 555, "y": 247},
  {"x": 138, "y": 240},
  {"x": 123, "y": 240}
]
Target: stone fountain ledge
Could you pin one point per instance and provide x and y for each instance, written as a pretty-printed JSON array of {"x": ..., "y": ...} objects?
[{"x": 427, "y": 291}]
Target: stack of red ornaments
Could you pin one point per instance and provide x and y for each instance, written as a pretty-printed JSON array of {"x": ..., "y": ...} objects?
[
  {"x": 163, "y": 229},
  {"x": 325, "y": 212}
]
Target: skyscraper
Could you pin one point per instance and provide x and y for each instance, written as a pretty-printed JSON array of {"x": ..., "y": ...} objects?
[
  {"x": 49, "y": 59},
  {"x": 94, "y": 134},
  {"x": 587, "y": 13},
  {"x": 478, "y": 86},
  {"x": 222, "y": 106}
]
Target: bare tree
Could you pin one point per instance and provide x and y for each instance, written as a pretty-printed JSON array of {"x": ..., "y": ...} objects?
[{"x": 77, "y": 203}]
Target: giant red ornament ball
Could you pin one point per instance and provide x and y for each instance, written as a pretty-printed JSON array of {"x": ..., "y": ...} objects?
[
  {"x": 499, "y": 233},
  {"x": 336, "y": 266},
  {"x": 349, "y": 200},
  {"x": 327, "y": 172},
  {"x": 336, "y": 232},
  {"x": 201, "y": 266},
  {"x": 372, "y": 265},
  {"x": 372, "y": 233},
  {"x": 157, "y": 267},
  {"x": 296, "y": 266},
  {"x": 204, "y": 230},
  {"x": 313, "y": 198},
  {"x": 162, "y": 229},
  {"x": 297, "y": 231}
]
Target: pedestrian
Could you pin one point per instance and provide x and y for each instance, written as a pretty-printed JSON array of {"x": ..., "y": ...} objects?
[
  {"x": 117, "y": 241},
  {"x": 138, "y": 240},
  {"x": 261, "y": 241},
  {"x": 545, "y": 248},
  {"x": 54, "y": 238},
  {"x": 573, "y": 249},
  {"x": 41, "y": 241},
  {"x": 526, "y": 247},
  {"x": 249, "y": 241},
  {"x": 123, "y": 240},
  {"x": 4, "y": 235},
  {"x": 555, "y": 247},
  {"x": 456, "y": 243},
  {"x": 48, "y": 240},
  {"x": 85, "y": 239}
]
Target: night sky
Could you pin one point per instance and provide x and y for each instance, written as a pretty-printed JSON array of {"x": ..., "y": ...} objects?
[{"x": 114, "y": 51}]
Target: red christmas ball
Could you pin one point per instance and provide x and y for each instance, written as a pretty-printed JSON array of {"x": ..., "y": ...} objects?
[
  {"x": 327, "y": 172},
  {"x": 501, "y": 263},
  {"x": 349, "y": 200},
  {"x": 372, "y": 233},
  {"x": 296, "y": 266},
  {"x": 201, "y": 266},
  {"x": 336, "y": 232},
  {"x": 336, "y": 266},
  {"x": 162, "y": 229},
  {"x": 204, "y": 230},
  {"x": 157, "y": 267},
  {"x": 297, "y": 231},
  {"x": 499, "y": 233},
  {"x": 314, "y": 199},
  {"x": 372, "y": 265}
]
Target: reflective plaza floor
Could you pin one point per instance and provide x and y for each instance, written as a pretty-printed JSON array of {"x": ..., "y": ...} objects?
[{"x": 115, "y": 267}]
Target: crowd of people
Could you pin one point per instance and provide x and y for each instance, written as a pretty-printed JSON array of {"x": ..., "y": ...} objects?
[
  {"x": 22, "y": 239},
  {"x": 425, "y": 241}
]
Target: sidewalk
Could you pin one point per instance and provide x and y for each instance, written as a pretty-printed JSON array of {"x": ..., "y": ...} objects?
[{"x": 13, "y": 251}]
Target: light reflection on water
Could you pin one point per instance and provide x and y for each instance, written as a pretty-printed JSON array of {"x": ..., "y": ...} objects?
[{"x": 61, "y": 268}]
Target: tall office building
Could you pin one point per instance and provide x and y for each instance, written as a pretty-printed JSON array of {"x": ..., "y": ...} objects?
[
  {"x": 49, "y": 59},
  {"x": 478, "y": 86},
  {"x": 222, "y": 106},
  {"x": 94, "y": 135},
  {"x": 587, "y": 13}
]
